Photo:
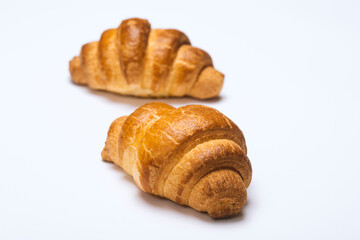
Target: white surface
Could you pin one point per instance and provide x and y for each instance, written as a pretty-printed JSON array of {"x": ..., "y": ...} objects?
[{"x": 292, "y": 85}]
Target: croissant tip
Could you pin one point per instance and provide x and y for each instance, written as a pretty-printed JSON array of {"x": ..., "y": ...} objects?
[
  {"x": 209, "y": 84},
  {"x": 105, "y": 155},
  {"x": 76, "y": 71}
]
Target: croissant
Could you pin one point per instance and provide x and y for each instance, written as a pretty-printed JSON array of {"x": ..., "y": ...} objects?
[
  {"x": 192, "y": 155},
  {"x": 137, "y": 60}
]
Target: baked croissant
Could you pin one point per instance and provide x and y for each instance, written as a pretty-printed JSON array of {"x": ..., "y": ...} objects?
[
  {"x": 193, "y": 155},
  {"x": 137, "y": 60}
]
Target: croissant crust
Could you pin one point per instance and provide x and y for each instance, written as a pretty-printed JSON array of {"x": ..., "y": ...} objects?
[
  {"x": 193, "y": 155},
  {"x": 137, "y": 60}
]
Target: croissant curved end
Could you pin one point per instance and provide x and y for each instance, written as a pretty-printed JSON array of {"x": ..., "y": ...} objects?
[
  {"x": 209, "y": 84},
  {"x": 76, "y": 71},
  {"x": 221, "y": 193}
]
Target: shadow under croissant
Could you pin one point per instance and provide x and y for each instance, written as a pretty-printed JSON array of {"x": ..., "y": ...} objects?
[
  {"x": 139, "y": 101},
  {"x": 164, "y": 203}
]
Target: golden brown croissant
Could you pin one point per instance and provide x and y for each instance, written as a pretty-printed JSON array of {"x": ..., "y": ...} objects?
[
  {"x": 193, "y": 155},
  {"x": 137, "y": 60}
]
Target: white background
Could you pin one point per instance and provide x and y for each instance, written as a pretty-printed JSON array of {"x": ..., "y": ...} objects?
[{"x": 292, "y": 85}]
